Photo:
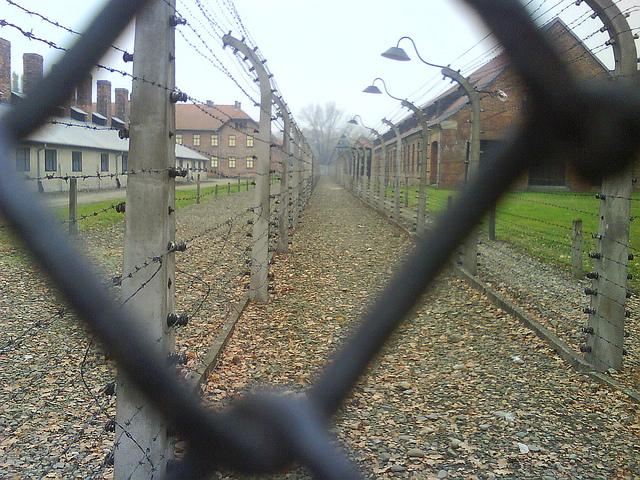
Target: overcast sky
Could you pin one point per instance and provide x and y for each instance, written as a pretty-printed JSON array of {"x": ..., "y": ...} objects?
[{"x": 318, "y": 51}]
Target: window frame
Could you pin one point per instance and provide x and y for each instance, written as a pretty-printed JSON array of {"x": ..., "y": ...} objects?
[
  {"x": 104, "y": 156},
  {"x": 50, "y": 160},
  {"x": 23, "y": 159},
  {"x": 232, "y": 139},
  {"x": 232, "y": 162},
  {"x": 76, "y": 161}
]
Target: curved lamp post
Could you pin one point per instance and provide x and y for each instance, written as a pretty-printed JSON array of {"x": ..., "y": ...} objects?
[
  {"x": 470, "y": 259},
  {"x": 424, "y": 154},
  {"x": 379, "y": 172}
]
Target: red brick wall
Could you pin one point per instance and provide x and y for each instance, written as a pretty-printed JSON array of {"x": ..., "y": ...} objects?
[
  {"x": 103, "y": 106},
  {"x": 5, "y": 71}
]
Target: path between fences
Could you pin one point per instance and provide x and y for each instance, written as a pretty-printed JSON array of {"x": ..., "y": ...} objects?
[{"x": 464, "y": 391}]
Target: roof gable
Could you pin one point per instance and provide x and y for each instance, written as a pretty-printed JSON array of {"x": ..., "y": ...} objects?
[{"x": 207, "y": 116}]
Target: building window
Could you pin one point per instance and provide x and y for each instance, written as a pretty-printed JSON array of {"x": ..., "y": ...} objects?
[
  {"x": 50, "y": 160},
  {"x": 179, "y": 138},
  {"x": 104, "y": 162},
  {"x": 250, "y": 163},
  {"x": 23, "y": 160},
  {"x": 232, "y": 162},
  {"x": 249, "y": 141},
  {"x": 232, "y": 140},
  {"x": 214, "y": 162},
  {"x": 214, "y": 139},
  {"x": 196, "y": 139},
  {"x": 76, "y": 161},
  {"x": 125, "y": 163}
]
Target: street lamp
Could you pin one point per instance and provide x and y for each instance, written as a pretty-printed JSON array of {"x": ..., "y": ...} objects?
[{"x": 470, "y": 259}]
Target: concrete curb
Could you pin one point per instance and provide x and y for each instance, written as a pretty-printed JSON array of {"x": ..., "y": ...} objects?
[{"x": 202, "y": 371}]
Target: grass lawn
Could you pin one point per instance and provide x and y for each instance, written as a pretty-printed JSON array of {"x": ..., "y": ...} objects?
[{"x": 540, "y": 224}]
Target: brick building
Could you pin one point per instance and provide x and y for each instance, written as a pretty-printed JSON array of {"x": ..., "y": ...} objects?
[
  {"x": 225, "y": 133},
  {"x": 449, "y": 116}
]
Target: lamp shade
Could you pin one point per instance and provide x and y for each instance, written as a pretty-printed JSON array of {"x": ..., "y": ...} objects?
[
  {"x": 396, "y": 53},
  {"x": 372, "y": 89}
]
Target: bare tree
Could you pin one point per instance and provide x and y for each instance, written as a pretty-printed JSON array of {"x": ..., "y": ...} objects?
[{"x": 323, "y": 125}]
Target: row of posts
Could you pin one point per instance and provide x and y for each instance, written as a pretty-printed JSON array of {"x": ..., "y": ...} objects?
[{"x": 604, "y": 348}]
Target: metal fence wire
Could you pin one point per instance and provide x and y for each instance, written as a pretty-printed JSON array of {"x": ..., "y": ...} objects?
[{"x": 263, "y": 433}]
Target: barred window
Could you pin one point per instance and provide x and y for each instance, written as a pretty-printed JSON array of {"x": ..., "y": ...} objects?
[
  {"x": 196, "y": 139},
  {"x": 179, "y": 138},
  {"x": 232, "y": 162},
  {"x": 214, "y": 162},
  {"x": 214, "y": 139},
  {"x": 232, "y": 140},
  {"x": 250, "y": 162},
  {"x": 249, "y": 140}
]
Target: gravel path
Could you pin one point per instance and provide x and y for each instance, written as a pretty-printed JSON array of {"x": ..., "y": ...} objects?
[
  {"x": 462, "y": 392},
  {"x": 448, "y": 399}
]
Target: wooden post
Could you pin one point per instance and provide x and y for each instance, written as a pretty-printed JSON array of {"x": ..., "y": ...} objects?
[
  {"x": 73, "y": 206},
  {"x": 576, "y": 249},
  {"x": 198, "y": 189}
]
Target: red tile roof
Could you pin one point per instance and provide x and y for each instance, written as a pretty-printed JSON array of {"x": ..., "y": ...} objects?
[{"x": 206, "y": 116}]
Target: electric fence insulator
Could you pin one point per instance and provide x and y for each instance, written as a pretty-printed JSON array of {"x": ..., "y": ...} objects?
[
  {"x": 629, "y": 294},
  {"x": 590, "y": 291},
  {"x": 127, "y": 57},
  {"x": 177, "y": 359},
  {"x": 600, "y": 196},
  {"x": 249, "y": 234},
  {"x": 593, "y": 275},
  {"x": 595, "y": 255},
  {"x": 624, "y": 351},
  {"x": 630, "y": 256},
  {"x": 177, "y": 247},
  {"x": 177, "y": 172},
  {"x": 116, "y": 281},
  {"x": 627, "y": 314},
  {"x": 109, "y": 389},
  {"x": 175, "y": 97},
  {"x": 596, "y": 236},
  {"x": 110, "y": 426},
  {"x": 249, "y": 222},
  {"x": 124, "y": 133},
  {"x": 588, "y": 330},
  {"x": 175, "y": 320},
  {"x": 590, "y": 311},
  {"x": 176, "y": 20},
  {"x": 629, "y": 276},
  {"x": 584, "y": 349},
  {"x": 121, "y": 207},
  {"x": 626, "y": 334}
]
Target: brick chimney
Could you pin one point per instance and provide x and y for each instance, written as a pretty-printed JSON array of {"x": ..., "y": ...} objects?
[
  {"x": 122, "y": 104},
  {"x": 32, "y": 69},
  {"x": 5, "y": 71},
  {"x": 103, "y": 106},
  {"x": 84, "y": 95}
]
